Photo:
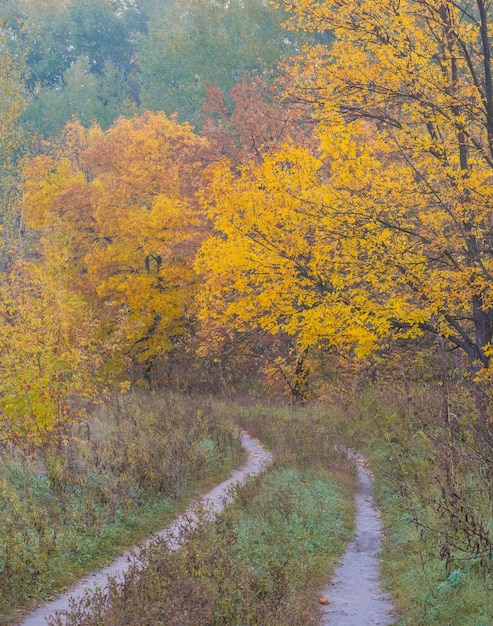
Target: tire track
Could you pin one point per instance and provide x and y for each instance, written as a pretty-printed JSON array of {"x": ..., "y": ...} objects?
[
  {"x": 354, "y": 595},
  {"x": 214, "y": 501}
]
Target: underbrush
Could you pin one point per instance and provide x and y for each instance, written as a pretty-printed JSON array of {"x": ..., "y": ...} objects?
[
  {"x": 104, "y": 485},
  {"x": 313, "y": 436},
  {"x": 434, "y": 483},
  {"x": 265, "y": 558}
]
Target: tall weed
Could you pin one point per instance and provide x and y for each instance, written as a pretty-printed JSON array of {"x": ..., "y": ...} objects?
[{"x": 102, "y": 486}]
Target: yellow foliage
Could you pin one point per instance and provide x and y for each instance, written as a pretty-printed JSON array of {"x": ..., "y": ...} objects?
[
  {"x": 276, "y": 260},
  {"x": 47, "y": 353},
  {"x": 388, "y": 232}
]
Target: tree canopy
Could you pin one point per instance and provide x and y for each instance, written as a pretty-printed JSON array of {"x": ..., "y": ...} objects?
[
  {"x": 386, "y": 231},
  {"x": 343, "y": 208},
  {"x": 123, "y": 200},
  {"x": 209, "y": 41}
]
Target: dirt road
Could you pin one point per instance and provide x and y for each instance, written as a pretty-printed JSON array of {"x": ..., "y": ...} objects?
[
  {"x": 214, "y": 500},
  {"x": 355, "y": 597}
]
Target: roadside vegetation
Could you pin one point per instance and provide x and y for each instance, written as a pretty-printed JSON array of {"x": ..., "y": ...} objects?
[
  {"x": 102, "y": 485},
  {"x": 434, "y": 485},
  {"x": 266, "y": 557}
]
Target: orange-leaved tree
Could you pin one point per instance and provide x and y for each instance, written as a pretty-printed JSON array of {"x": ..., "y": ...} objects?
[
  {"x": 252, "y": 120},
  {"x": 124, "y": 199}
]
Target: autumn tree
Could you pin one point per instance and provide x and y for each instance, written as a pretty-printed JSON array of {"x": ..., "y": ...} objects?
[
  {"x": 48, "y": 352},
  {"x": 420, "y": 78},
  {"x": 105, "y": 287},
  {"x": 260, "y": 269},
  {"x": 246, "y": 125},
  {"x": 386, "y": 232},
  {"x": 252, "y": 119},
  {"x": 124, "y": 200}
]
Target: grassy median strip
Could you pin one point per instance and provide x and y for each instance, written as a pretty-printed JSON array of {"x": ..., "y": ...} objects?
[{"x": 266, "y": 557}]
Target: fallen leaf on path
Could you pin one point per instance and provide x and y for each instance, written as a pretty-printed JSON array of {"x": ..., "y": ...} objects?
[{"x": 323, "y": 600}]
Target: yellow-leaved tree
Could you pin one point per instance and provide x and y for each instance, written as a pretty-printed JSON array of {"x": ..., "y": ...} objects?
[
  {"x": 387, "y": 231},
  {"x": 48, "y": 356}
]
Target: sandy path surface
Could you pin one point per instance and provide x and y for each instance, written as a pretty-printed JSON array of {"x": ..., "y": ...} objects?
[
  {"x": 214, "y": 500},
  {"x": 355, "y": 597}
]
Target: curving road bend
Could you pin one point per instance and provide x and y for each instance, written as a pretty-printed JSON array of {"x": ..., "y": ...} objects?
[{"x": 213, "y": 501}]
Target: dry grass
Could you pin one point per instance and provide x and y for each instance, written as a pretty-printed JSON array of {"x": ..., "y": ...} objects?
[
  {"x": 266, "y": 557},
  {"x": 107, "y": 484}
]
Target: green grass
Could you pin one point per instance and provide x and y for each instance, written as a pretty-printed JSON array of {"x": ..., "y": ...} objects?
[
  {"x": 423, "y": 590},
  {"x": 266, "y": 558},
  {"x": 126, "y": 472},
  {"x": 433, "y": 485}
]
